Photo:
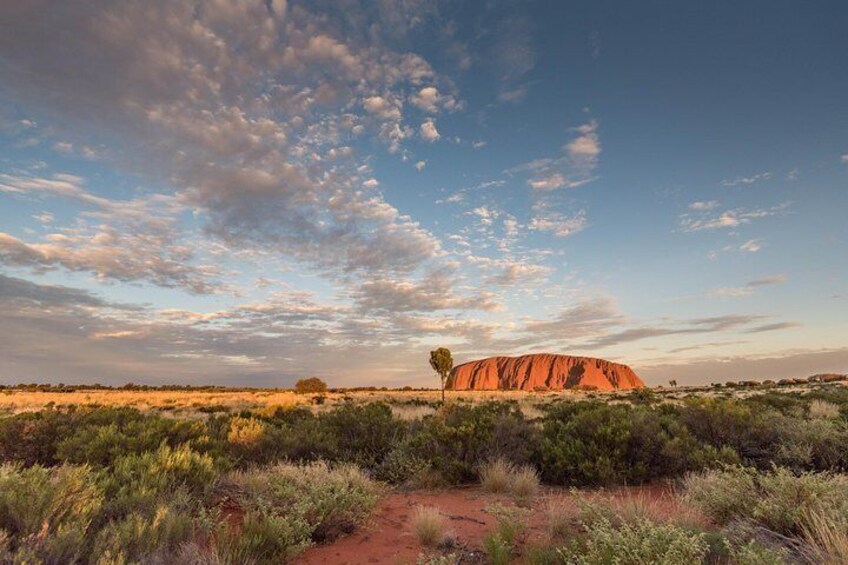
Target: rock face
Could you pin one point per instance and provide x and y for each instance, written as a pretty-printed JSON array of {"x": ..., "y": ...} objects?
[{"x": 542, "y": 371}]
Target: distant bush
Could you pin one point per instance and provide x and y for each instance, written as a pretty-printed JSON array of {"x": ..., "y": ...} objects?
[{"x": 312, "y": 385}]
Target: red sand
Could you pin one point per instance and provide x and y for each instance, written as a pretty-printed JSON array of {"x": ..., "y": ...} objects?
[{"x": 388, "y": 538}]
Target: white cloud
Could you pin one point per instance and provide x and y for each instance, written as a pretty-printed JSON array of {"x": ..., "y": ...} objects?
[
  {"x": 429, "y": 132},
  {"x": 371, "y": 183},
  {"x": 746, "y": 180},
  {"x": 429, "y": 99},
  {"x": 705, "y": 205},
  {"x": 558, "y": 224},
  {"x": 844, "y": 158},
  {"x": 420, "y": 165},
  {"x": 729, "y": 219},
  {"x": 752, "y": 245}
]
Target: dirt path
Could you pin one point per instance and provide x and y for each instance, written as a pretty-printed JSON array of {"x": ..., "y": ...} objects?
[{"x": 388, "y": 537}]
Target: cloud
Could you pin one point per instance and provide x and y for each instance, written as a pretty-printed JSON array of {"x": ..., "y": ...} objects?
[
  {"x": 433, "y": 292},
  {"x": 429, "y": 132},
  {"x": 114, "y": 256},
  {"x": 844, "y": 158},
  {"x": 752, "y": 245},
  {"x": 558, "y": 224},
  {"x": 748, "y": 289},
  {"x": 420, "y": 165},
  {"x": 768, "y": 280},
  {"x": 729, "y": 219},
  {"x": 430, "y": 100},
  {"x": 746, "y": 180},
  {"x": 704, "y": 205},
  {"x": 244, "y": 111},
  {"x": 572, "y": 169}
]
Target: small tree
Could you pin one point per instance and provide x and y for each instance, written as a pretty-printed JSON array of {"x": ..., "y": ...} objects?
[
  {"x": 312, "y": 385},
  {"x": 672, "y": 383},
  {"x": 442, "y": 363}
]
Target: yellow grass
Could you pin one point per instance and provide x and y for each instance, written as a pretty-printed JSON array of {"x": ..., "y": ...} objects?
[{"x": 189, "y": 403}]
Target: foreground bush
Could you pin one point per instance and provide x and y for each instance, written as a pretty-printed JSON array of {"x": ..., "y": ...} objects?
[
  {"x": 639, "y": 543},
  {"x": 46, "y": 514},
  {"x": 805, "y": 514},
  {"x": 330, "y": 500}
]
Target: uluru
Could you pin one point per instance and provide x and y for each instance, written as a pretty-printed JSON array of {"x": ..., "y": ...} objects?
[{"x": 543, "y": 371}]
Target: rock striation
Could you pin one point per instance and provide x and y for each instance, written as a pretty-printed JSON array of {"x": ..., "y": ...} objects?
[{"x": 542, "y": 372}]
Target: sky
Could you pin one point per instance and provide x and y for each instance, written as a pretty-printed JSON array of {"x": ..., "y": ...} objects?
[{"x": 250, "y": 192}]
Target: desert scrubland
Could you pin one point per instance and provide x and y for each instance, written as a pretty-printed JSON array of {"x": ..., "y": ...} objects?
[{"x": 675, "y": 475}]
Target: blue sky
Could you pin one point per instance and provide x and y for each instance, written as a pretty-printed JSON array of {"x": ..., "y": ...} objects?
[{"x": 251, "y": 192}]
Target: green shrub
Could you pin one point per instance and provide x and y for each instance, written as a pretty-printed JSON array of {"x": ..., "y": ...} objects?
[
  {"x": 45, "y": 514},
  {"x": 593, "y": 443},
  {"x": 638, "y": 543},
  {"x": 331, "y": 501},
  {"x": 143, "y": 537},
  {"x": 141, "y": 483},
  {"x": 264, "y": 538},
  {"x": 777, "y": 500},
  {"x": 458, "y": 437},
  {"x": 31, "y": 438},
  {"x": 100, "y": 441}
]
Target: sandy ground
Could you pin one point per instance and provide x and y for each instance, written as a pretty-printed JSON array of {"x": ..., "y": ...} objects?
[{"x": 388, "y": 536}]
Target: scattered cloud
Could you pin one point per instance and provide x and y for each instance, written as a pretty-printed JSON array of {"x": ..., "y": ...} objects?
[
  {"x": 730, "y": 218},
  {"x": 704, "y": 205},
  {"x": 429, "y": 132},
  {"x": 752, "y": 245},
  {"x": 746, "y": 180}
]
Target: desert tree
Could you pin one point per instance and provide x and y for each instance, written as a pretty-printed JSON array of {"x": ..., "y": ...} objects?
[
  {"x": 672, "y": 383},
  {"x": 312, "y": 385},
  {"x": 442, "y": 363}
]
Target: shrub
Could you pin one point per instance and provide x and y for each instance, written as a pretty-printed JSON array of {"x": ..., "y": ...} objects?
[
  {"x": 31, "y": 438},
  {"x": 524, "y": 483},
  {"x": 593, "y": 443},
  {"x": 246, "y": 432},
  {"x": 331, "y": 501},
  {"x": 141, "y": 537},
  {"x": 46, "y": 514},
  {"x": 265, "y": 537},
  {"x": 754, "y": 553},
  {"x": 822, "y": 409},
  {"x": 458, "y": 437},
  {"x": 635, "y": 544},
  {"x": 141, "y": 483},
  {"x": 777, "y": 500},
  {"x": 825, "y": 538},
  {"x": 428, "y": 525},
  {"x": 312, "y": 385},
  {"x": 557, "y": 519},
  {"x": 496, "y": 476}
]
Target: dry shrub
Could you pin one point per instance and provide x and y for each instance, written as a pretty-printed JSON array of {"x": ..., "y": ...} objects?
[
  {"x": 496, "y": 476},
  {"x": 247, "y": 432},
  {"x": 559, "y": 518},
  {"x": 499, "y": 476},
  {"x": 824, "y": 410},
  {"x": 826, "y": 539},
  {"x": 428, "y": 525}
]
